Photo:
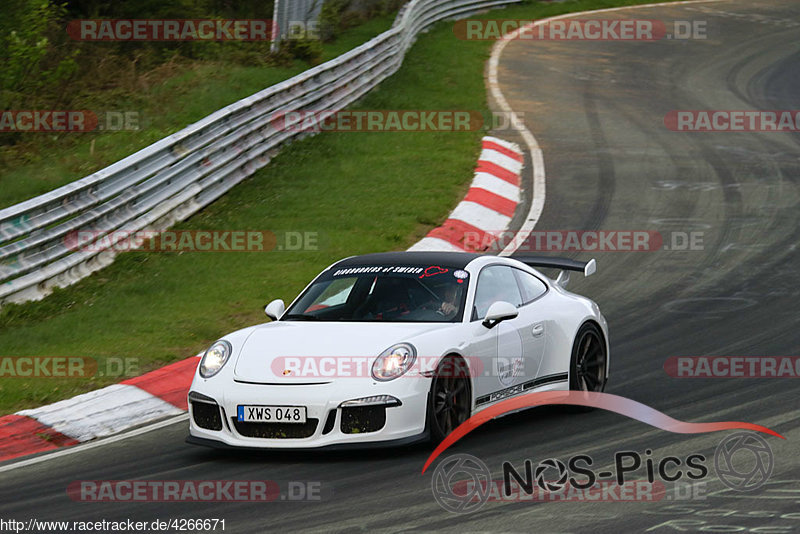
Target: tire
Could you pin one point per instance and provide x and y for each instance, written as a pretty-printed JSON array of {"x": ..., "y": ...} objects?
[
  {"x": 450, "y": 398},
  {"x": 588, "y": 364}
]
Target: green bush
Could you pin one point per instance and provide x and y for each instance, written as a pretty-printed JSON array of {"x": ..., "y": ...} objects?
[
  {"x": 32, "y": 63},
  {"x": 339, "y": 15},
  {"x": 44, "y": 68},
  {"x": 309, "y": 50},
  {"x": 330, "y": 17}
]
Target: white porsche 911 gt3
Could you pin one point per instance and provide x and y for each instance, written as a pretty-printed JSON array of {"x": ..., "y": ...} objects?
[{"x": 392, "y": 348}]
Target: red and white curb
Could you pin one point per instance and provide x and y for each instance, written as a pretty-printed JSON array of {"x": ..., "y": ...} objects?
[
  {"x": 100, "y": 413},
  {"x": 486, "y": 212}
]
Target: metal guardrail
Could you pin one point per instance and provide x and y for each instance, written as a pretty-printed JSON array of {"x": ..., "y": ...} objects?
[{"x": 178, "y": 175}]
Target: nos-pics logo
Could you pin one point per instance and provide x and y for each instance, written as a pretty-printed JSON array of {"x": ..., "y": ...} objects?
[{"x": 743, "y": 462}]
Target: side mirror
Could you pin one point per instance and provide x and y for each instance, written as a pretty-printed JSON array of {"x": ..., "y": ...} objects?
[
  {"x": 499, "y": 311},
  {"x": 275, "y": 309}
]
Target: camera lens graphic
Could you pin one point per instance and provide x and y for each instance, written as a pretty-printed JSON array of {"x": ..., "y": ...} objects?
[
  {"x": 744, "y": 461},
  {"x": 460, "y": 483},
  {"x": 552, "y": 484}
]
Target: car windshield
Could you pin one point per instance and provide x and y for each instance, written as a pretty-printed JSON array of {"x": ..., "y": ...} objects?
[{"x": 385, "y": 293}]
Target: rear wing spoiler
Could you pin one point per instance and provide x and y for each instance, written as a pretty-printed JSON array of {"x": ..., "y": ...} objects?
[{"x": 588, "y": 268}]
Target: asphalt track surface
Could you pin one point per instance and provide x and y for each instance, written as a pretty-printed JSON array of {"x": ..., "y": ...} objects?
[{"x": 597, "y": 111}]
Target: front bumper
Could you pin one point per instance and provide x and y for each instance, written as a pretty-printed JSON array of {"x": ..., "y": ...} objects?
[
  {"x": 402, "y": 442},
  {"x": 328, "y": 424}
]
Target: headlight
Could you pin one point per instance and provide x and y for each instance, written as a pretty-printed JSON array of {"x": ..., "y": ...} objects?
[
  {"x": 214, "y": 358},
  {"x": 394, "y": 361}
]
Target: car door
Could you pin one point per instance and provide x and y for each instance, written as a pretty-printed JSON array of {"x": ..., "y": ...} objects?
[
  {"x": 533, "y": 322},
  {"x": 499, "y": 348}
]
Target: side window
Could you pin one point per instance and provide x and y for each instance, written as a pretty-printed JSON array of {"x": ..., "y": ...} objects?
[
  {"x": 532, "y": 288},
  {"x": 495, "y": 283}
]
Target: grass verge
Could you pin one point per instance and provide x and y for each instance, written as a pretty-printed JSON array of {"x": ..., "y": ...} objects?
[{"x": 362, "y": 192}]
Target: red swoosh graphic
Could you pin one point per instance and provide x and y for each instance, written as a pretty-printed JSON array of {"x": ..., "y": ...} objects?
[{"x": 604, "y": 401}]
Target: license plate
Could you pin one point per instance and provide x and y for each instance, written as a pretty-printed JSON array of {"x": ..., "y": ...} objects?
[{"x": 271, "y": 414}]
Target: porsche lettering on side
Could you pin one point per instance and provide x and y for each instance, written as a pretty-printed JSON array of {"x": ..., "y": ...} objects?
[{"x": 393, "y": 348}]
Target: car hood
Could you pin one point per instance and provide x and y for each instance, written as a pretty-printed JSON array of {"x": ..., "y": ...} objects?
[{"x": 265, "y": 353}]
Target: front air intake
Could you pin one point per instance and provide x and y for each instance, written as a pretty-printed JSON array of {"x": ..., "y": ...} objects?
[
  {"x": 363, "y": 419},
  {"x": 206, "y": 415}
]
